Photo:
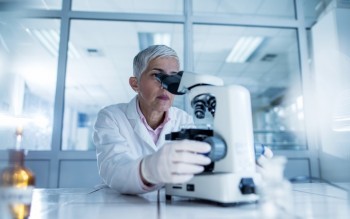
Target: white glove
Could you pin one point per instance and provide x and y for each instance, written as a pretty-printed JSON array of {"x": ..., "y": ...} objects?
[
  {"x": 175, "y": 162},
  {"x": 268, "y": 154}
]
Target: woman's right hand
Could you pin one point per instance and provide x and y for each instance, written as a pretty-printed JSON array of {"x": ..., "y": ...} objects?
[{"x": 175, "y": 162}]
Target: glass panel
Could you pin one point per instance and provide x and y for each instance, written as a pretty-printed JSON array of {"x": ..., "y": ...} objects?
[
  {"x": 135, "y": 6},
  {"x": 28, "y": 66},
  {"x": 313, "y": 9},
  {"x": 43, "y": 4},
  {"x": 99, "y": 67},
  {"x": 255, "y": 8},
  {"x": 266, "y": 61}
]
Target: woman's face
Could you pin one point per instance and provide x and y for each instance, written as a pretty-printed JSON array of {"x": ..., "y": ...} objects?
[{"x": 151, "y": 95}]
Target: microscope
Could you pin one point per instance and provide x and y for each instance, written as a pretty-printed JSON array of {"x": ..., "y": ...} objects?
[{"x": 231, "y": 177}]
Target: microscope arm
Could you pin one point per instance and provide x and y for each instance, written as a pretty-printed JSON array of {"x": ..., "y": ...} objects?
[{"x": 190, "y": 80}]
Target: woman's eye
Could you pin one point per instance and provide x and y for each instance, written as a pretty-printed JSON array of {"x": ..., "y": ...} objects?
[
  {"x": 153, "y": 75},
  {"x": 156, "y": 73}
]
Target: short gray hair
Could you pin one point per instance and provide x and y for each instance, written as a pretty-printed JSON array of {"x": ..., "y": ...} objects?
[{"x": 144, "y": 57}]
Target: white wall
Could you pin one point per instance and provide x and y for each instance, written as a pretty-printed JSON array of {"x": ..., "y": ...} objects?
[{"x": 331, "y": 49}]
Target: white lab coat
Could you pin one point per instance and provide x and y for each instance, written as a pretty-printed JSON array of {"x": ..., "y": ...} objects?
[{"x": 122, "y": 140}]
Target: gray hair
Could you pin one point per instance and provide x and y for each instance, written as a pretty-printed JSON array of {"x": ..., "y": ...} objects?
[{"x": 144, "y": 57}]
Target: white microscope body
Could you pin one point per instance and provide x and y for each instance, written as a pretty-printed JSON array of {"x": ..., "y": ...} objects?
[{"x": 233, "y": 178}]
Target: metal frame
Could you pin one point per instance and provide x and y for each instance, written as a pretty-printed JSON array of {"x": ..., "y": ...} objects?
[{"x": 56, "y": 155}]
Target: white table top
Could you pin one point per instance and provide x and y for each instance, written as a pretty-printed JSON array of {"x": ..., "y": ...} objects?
[{"x": 311, "y": 200}]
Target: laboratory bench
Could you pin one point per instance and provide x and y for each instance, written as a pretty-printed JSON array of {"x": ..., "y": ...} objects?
[{"x": 310, "y": 200}]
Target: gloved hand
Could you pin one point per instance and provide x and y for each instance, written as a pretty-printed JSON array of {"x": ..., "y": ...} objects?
[
  {"x": 268, "y": 154},
  {"x": 175, "y": 162}
]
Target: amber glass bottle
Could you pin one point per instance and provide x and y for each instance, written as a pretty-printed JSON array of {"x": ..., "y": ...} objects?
[{"x": 19, "y": 182}]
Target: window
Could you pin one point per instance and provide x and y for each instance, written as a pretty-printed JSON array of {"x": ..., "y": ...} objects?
[
  {"x": 43, "y": 4},
  {"x": 238, "y": 8},
  {"x": 135, "y": 6},
  {"x": 28, "y": 81},
  {"x": 99, "y": 67},
  {"x": 266, "y": 61},
  {"x": 103, "y": 36}
]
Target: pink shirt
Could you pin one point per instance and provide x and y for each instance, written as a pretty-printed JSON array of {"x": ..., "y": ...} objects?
[{"x": 153, "y": 132}]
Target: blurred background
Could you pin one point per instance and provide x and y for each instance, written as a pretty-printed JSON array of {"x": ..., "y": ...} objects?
[{"x": 63, "y": 60}]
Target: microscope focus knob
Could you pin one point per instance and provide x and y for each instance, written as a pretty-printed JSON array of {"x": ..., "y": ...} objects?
[{"x": 218, "y": 148}]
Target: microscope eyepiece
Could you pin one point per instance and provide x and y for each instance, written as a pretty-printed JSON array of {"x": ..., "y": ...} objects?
[{"x": 170, "y": 82}]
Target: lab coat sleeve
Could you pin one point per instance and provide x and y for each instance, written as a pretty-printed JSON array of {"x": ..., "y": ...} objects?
[{"x": 118, "y": 168}]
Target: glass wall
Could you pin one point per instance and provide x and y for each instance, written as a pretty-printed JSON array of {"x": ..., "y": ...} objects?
[
  {"x": 99, "y": 63},
  {"x": 99, "y": 69},
  {"x": 134, "y": 6},
  {"x": 314, "y": 8},
  {"x": 42, "y": 4},
  {"x": 29, "y": 52},
  {"x": 238, "y": 8},
  {"x": 99, "y": 39},
  {"x": 266, "y": 61}
]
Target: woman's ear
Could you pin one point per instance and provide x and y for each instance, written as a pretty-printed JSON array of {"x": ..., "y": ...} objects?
[{"x": 133, "y": 84}]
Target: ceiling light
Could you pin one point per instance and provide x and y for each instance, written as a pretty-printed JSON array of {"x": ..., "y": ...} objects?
[
  {"x": 46, "y": 41},
  {"x": 50, "y": 39},
  {"x": 72, "y": 51},
  {"x": 147, "y": 39},
  {"x": 161, "y": 39},
  {"x": 243, "y": 49}
]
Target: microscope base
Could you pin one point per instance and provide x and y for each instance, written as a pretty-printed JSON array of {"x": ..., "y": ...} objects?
[{"x": 223, "y": 188}]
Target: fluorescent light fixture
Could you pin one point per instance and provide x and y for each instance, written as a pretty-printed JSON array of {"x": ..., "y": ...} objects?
[
  {"x": 243, "y": 49},
  {"x": 147, "y": 39},
  {"x": 72, "y": 51},
  {"x": 46, "y": 40},
  {"x": 50, "y": 39},
  {"x": 161, "y": 39}
]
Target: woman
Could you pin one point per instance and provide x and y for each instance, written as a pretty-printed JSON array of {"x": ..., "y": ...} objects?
[{"x": 132, "y": 154}]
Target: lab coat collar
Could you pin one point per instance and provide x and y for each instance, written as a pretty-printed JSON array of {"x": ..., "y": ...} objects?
[
  {"x": 142, "y": 131},
  {"x": 131, "y": 111},
  {"x": 136, "y": 123}
]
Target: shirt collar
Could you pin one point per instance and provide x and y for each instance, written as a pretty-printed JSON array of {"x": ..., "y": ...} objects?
[{"x": 143, "y": 118}]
